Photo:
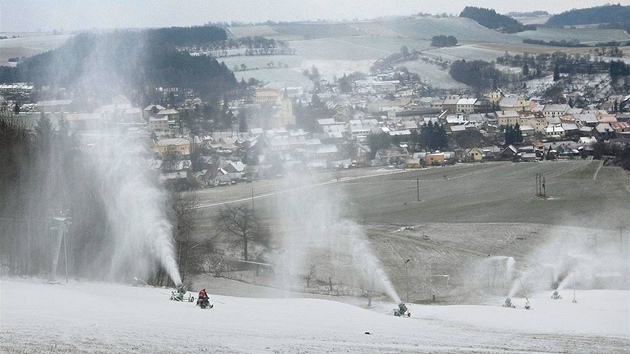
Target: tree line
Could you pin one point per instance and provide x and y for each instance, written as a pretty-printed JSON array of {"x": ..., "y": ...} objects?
[
  {"x": 96, "y": 67},
  {"x": 608, "y": 14},
  {"x": 431, "y": 137},
  {"x": 443, "y": 41},
  {"x": 477, "y": 73},
  {"x": 491, "y": 19}
]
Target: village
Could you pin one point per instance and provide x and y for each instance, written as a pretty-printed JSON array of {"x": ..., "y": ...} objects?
[{"x": 380, "y": 122}]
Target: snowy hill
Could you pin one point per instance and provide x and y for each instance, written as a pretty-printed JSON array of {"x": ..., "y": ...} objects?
[{"x": 36, "y": 316}]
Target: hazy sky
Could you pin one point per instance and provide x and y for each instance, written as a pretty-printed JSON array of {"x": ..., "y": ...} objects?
[{"x": 46, "y": 15}]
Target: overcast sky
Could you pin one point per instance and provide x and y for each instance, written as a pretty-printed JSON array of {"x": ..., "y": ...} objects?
[{"x": 47, "y": 15}]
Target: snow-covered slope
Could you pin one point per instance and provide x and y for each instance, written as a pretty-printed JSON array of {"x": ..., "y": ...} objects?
[{"x": 36, "y": 316}]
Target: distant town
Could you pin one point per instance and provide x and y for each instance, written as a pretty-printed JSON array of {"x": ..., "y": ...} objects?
[{"x": 377, "y": 120}]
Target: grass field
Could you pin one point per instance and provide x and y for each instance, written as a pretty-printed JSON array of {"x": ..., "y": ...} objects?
[{"x": 466, "y": 213}]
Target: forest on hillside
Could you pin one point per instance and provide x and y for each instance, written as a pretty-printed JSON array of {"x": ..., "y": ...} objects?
[
  {"x": 133, "y": 63},
  {"x": 608, "y": 14},
  {"x": 491, "y": 19}
]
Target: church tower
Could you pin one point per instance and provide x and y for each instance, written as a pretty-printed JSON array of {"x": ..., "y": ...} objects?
[{"x": 286, "y": 112}]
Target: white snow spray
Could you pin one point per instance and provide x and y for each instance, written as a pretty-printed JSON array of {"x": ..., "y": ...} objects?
[
  {"x": 135, "y": 204},
  {"x": 574, "y": 258},
  {"x": 136, "y": 209},
  {"x": 311, "y": 221}
]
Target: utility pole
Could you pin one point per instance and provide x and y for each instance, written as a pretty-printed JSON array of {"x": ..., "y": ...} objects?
[
  {"x": 62, "y": 222},
  {"x": 407, "y": 276},
  {"x": 540, "y": 186},
  {"x": 418, "y": 188}
]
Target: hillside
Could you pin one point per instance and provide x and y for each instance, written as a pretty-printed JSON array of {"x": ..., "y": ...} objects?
[
  {"x": 595, "y": 15},
  {"x": 465, "y": 213},
  {"x": 105, "y": 65},
  {"x": 491, "y": 19},
  {"x": 83, "y": 317}
]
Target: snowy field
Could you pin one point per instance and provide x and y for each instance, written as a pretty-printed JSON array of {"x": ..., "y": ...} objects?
[
  {"x": 28, "y": 44},
  {"x": 36, "y": 316}
]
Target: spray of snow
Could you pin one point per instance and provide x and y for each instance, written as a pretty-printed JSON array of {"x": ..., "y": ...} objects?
[
  {"x": 575, "y": 258},
  {"x": 312, "y": 223},
  {"x": 136, "y": 209}
]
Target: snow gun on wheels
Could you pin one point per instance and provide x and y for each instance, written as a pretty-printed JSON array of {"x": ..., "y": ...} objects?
[
  {"x": 402, "y": 311},
  {"x": 179, "y": 294}
]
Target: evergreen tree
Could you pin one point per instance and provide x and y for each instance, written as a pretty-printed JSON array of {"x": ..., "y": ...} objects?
[
  {"x": 556, "y": 73},
  {"x": 242, "y": 122},
  {"x": 377, "y": 142}
]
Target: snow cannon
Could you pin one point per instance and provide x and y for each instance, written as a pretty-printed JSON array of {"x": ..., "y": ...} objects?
[
  {"x": 556, "y": 295},
  {"x": 178, "y": 293},
  {"x": 402, "y": 311},
  {"x": 508, "y": 303}
]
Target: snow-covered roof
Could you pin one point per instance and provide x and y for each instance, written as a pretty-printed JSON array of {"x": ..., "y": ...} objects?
[
  {"x": 173, "y": 141},
  {"x": 466, "y": 101}
]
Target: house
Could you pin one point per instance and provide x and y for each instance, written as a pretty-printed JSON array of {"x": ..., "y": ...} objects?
[
  {"x": 527, "y": 130},
  {"x": 178, "y": 146},
  {"x": 509, "y": 153},
  {"x": 606, "y": 118},
  {"x": 475, "y": 154},
  {"x": 495, "y": 96},
  {"x": 159, "y": 125},
  {"x": 171, "y": 114},
  {"x": 535, "y": 120},
  {"x": 570, "y": 129},
  {"x": 491, "y": 152},
  {"x": 392, "y": 155},
  {"x": 505, "y": 118},
  {"x": 555, "y": 131},
  {"x": 263, "y": 95},
  {"x": 604, "y": 129},
  {"x": 466, "y": 105},
  {"x": 235, "y": 170},
  {"x": 620, "y": 127},
  {"x": 586, "y": 119},
  {"x": 450, "y": 104},
  {"x": 555, "y": 110},
  {"x": 529, "y": 157},
  {"x": 434, "y": 159},
  {"x": 513, "y": 104}
]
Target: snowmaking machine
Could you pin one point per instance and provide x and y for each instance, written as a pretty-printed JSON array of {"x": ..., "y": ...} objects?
[
  {"x": 402, "y": 311},
  {"x": 508, "y": 303},
  {"x": 179, "y": 294}
]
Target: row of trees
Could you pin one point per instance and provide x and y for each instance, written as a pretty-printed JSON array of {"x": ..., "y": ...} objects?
[
  {"x": 477, "y": 73},
  {"x": 45, "y": 173},
  {"x": 431, "y": 137},
  {"x": 443, "y": 41},
  {"x": 491, "y": 19},
  {"x": 593, "y": 15}
]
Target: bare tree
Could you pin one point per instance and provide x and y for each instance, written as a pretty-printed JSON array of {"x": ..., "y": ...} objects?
[
  {"x": 310, "y": 275},
  {"x": 244, "y": 224},
  {"x": 185, "y": 215}
]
